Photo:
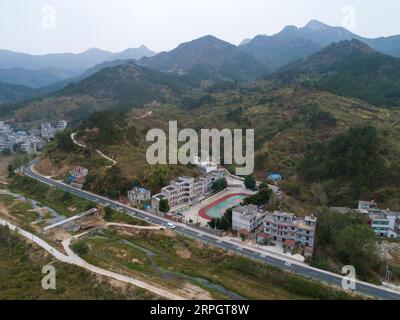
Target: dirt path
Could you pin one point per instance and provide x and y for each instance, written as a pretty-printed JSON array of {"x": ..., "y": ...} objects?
[
  {"x": 74, "y": 259},
  {"x": 101, "y": 154}
]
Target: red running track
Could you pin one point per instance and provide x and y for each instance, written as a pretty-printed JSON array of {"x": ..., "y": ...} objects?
[{"x": 202, "y": 211}]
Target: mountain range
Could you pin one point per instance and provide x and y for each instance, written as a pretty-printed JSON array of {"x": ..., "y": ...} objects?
[
  {"x": 36, "y": 71},
  {"x": 317, "y": 56},
  {"x": 207, "y": 58},
  {"x": 78, "y": 62},
  {"x": 294, "y": 43},
  {"x": 349, "y": 68}
]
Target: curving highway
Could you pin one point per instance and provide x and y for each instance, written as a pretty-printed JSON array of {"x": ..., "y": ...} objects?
[{"x": 240, "y": 249}]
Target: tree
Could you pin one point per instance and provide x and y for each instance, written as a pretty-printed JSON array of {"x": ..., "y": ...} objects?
[
  {"x": 264, "y": 185},
  {"x": 11, "y": 170},
  {"x": 219, "y": 185},
  {"x": 108, "y": 213},
  {"x": 250, "y": 182},
  {"x": 319, "y": 194},
  {"x": 260, "y": 198},
  {"x": 164, "y": 206},
  {"x": 80, "y": 248},
  {"x": 223, "y": 223},
  {"x": 64, "y": 141},
  {"x": 158, "y": 176},
  {"x": 357, "y": 246}
]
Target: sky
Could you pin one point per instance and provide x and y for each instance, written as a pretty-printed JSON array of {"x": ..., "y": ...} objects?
[{"x": 47, "y": 26}]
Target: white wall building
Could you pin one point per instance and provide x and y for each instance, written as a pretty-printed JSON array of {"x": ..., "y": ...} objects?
[
  {"x": 185, "y": 190},
  {"x": 205, "y": 166},
  {"x": 247, "y": 218},
  {"x": 383, "y": 222}
]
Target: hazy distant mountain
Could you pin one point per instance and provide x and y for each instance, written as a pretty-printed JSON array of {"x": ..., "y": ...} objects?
[
  {"x": 34, "y": 78},
  {"x": 277, "y": 51},
  {"x": 133, "y": 53},
  {"x": 294, "y": 43},
  {"x": 76, "y": 62},
  {"x": 11, "y": 93},
  {"x": 245, "y": 41},
  {"x": 207, "y": 58},
  {"x": 349, "y": 68}
]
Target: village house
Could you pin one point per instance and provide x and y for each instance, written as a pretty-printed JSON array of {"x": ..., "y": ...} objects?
[
  {"x": 291, "y": 231},
  {"x": 138, "y": 195},
  {"x": 247, "y": 218},
  {"x": 383, "y": 222},
  {"x": 77, "y": 177}
]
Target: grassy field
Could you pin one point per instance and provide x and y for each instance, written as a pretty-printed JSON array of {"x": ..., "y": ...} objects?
[
  {"x": 20, "y": 278},
  {"x": 174, "y": 260}
]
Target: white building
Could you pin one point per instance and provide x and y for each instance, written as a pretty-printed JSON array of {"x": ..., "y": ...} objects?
[
  {"x": 139, "y": 195},
  {"x": 205, "y": 166},
  {"x": 185, "y": 190},
  {"x": 62, "y": 125},
  {"x": 247, "y": 218},
  {"x": 383, "y": 222},
  {"x": 291, "y": 231}
]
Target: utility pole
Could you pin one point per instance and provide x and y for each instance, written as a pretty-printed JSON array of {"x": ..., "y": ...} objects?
[
  {"x": 9, "y": 246},
  {"x": 388, "y": 273}
]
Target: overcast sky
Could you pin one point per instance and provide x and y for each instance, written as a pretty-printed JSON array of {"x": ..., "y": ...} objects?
[{"x": 43, "y": 26}]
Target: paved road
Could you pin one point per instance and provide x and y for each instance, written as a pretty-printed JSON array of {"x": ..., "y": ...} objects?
[{"x": 243, "y": 250}]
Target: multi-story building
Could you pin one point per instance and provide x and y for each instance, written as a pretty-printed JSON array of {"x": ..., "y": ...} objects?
[
  {"x": 139, "y": 195},
  {"x": 205, "y": 167},
  {"x": 291, "y": 231},
  {"x": 62, "y": 125},
  {"x": 383, "y": 222},
  {"x": 379, "y": 224},
  {"x": 77, "y": 176},
  {"x": 247, "y": 218},
  {"x": 185, "y": 190}
]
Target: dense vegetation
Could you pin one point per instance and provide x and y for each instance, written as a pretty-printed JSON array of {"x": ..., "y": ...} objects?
[
  {"x": 347, "y": 239},
  {"x": 352, "y": 160}
]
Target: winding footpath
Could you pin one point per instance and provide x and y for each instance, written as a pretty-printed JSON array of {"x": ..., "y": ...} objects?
[
  {"x": 73, "y": 259},
  {"x": 73, "y": 138}
]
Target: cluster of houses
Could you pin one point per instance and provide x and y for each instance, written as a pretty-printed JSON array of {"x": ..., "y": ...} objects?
[
  {"x": 77, "y": 177},
  {"x": 385, "y": 223},
  {"x": 282, "y": 228},
  {"x": 47, "y": 130},
  {"x": 183, "y": 190},
  {"x": 30, "y": 141}
]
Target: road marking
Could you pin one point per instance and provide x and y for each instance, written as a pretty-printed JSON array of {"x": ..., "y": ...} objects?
[{"x": 288, "y": 263}]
